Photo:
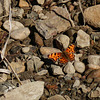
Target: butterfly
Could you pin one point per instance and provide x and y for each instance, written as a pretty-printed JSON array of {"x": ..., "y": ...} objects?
[{"x": 64, "y": 56}]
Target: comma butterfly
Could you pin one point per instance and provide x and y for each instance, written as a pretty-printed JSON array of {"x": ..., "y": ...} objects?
[{"x": 65, "y": 56}]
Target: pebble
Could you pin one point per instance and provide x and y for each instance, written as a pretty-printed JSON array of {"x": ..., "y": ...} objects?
[
  {"x": 57, "y": 70},
  {"x": 76, "y": 83},
  {"x": 69, "y": 68},
  {"x": 91, "y": 15},
  {"x": 20, "y": 34},
  {"x": 68, "y": 77},
  {"x": 77, "y": 56},
  {"x": 37, "y": 8},
  {"x": 83, "y": 39},
  {"x": 42, "y": 16},
  {"x": 17, "y": 12},
  {"x": 15, "y": 25},
  {"x": 63, "y": 40},
  {"x": 41, "y": 2},
  {"x": 18, "y": 66},
  {"x": 94, "y": 59},
  {"x": 79, "y": 66},
  {"x": 77, "y": 75},
  {"x": 25, "y": 49},
  {"x": 23, "y": 3},
  {"x": 56, "y": 97},
  {"x": 48, "y": 50},
  {"x": 28, "y": 91},
  {"x": 30, "y": 65},
  {"x": 84, "y": 88},
  {"x": 93, "y": 66},
  {"x": 42, "y": 72}
]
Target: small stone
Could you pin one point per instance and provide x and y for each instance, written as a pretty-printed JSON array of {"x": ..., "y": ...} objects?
[
  {"x": 40, "y": 2},
  {"x": 17, "y": 12},
  {"x": 57, "y": 70},
  {"x": 28, "y": 91},
  {"x": 77, "y": 75},
  {"x": 23, "y": 3},
  {"x": 38, "y": 39},
  {"x": 76, "y": 83},
  {"x": 25, "y": 49},
  {"x": 94, "y": 59},
  {"x": 37, "y": 8},
  {"x": 93, "y": 66},
  {"x": 95, "y": 93},
  {"x": 92, "y": 16},
  {"x": 69, "y": 68},
  {"x": 14, "y": 24},
  {"x": 77, "y": 56},
  {"x": 68, "y": 77},
  {"x": 20, "y": 34},
  {"x": 83, "y": 39},
  {"x": 43, "y": 72},
  {"x": 30, "y": 65},
  {"x": 79, "y": 66},
  {"x": 56, "y": 97},
  {"x": 84, "y": 88},
  {"x": 48, "y": 50},
  {"x": 42, "y": 16},
  {"x": 63, "y": 40},
  {"x": 18, "y": 66},
  {"x": 67, "y": 97}
]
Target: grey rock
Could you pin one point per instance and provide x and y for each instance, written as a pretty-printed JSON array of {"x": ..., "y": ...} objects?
[
  {"x": 92, "y": 16},
  {"x": 83, "y": 39},
  {"x": 42, "y": 72},
  {"x": 77, "y": 56},
  {"x": 69, "y": 68},
  {"x": 79, "y": 66},
  {"x": 30, "y": 65},
  {"x": 56, "y": 97},
  {"x": 57, "y": 70},
  {"x": 29, "y": 91},
  {"x": 64, "y": 40}
]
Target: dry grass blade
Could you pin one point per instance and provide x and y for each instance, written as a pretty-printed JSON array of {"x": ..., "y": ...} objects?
[{"x": 5, "y": 71}]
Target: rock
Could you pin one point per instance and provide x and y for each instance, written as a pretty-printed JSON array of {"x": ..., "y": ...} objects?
[
  {"x": 77, "y": 56},
  {"x": 67, "y": 97},
  {"x": 30, "y": 65},
  {"x": 56, "y": 97},
  {"x": 94, "y": 59},
  {"x": 23, "y": 3},
  {"x": 77, "y": 75},
  {"x": 92, "y": 16},
  {"x": 25, "y": 49},
  {"x": 79, "y": 66},
  {"x": 69, "y": 68},
  {"x": 17, "y": 66},
  {"x": 95, "y": 35},
  {"x": 63, "y": 40},
  {"x": 41, "y": 2},
  {"x": 42, "y": 72},
  {"x": 83, "y": 39},
  {"x": 3, "y": 77},
  {"x": 76, "y": 83},
  {"x": 15, "y": 25},
  {"x": 95, "y": 93},
  {"x": 1, "y": 9},
  {"x": 37, "y": 8},
  {"x": 57, "y": 70},
  {"x": 20, "y": 34},
  {"x": 42, "y": 16},
  {"x": 68, "y": 77},
  {"x": 17, "y": 12},
  {"x": 50, "y": 26},
  {"x": 48, "y": 50},
  {"x": 93, "y": 66},
  {"x": 29, "y": 91},
  {"x": 84, "y": 88},
  {"x": 38, "y": 39}
]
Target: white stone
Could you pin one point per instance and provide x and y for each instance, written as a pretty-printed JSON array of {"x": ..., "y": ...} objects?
[
  {"x": 20, "y": 34},
  {"x": 14, "y": 24},
  {"x": 40, "y": 2},
  {"x": 76, "y": 83},
  {"x": 57, "y": 70},
  {"x": 79, "y": 66},
  {"x": 28, "y": 91},
  {"x": 64, "y": 40},
  {"x": 37, "y": 8},
  {"x": 92, "y": 66},
  {"x": 43, "y": 72},
  {"x": 94, "y": 59},
  {"x": 77, "y": 56},
  {"x": 25, "y": 49},
  {"x": 83, "y": 39},
  {"x": 69, "y": 68}
]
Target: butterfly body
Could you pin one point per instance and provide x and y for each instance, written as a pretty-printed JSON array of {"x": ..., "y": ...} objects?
[{"x": 65, "y": 56}]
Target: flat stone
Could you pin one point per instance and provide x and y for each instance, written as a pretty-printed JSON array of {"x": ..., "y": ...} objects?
[
  {"x": 25, "y": 49},
  {"x": 56, "y": 97},
  {"x": 37, "y": 8},
  {"x": 83, "y": 39},
  {"x": 28, "y": 91},
  {"x": 92, "y": 16},
  {"x": 30, "y": 65},
  {"x": 42, "y": 72}
]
